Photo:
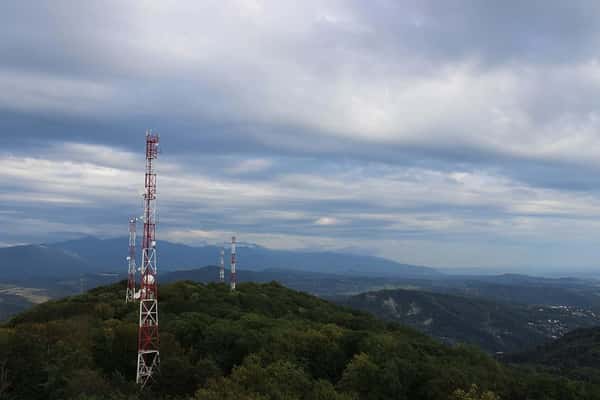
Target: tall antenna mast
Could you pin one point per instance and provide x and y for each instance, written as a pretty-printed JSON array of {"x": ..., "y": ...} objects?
[
  {"x": 130, "y": 294},
  {"x": 222, "y": 266},
  {"x": 148, "y": 341},
  {"x": 233, "y": 277}
]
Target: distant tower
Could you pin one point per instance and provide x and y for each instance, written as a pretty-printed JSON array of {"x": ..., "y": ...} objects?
[
  {"x": 233, "y": 277},
  {"x": 148, "y": 341},
  {"x": 130, "y": 294},
  {"x": 222, "y": 266}
]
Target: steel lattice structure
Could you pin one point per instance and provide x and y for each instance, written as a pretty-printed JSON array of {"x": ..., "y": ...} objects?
[
  {"x": 148, "y": 339},
  {"x": 130, "y": 294},
  {"x": 222, "y": 266},
  {"x": 233, "y": 277}
]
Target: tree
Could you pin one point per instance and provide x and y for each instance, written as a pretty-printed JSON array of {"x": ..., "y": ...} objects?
[
  {"x": 473, "y": 394},
  {"x": 361, "y": 376}
]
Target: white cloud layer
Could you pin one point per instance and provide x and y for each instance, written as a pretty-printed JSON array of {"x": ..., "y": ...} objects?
[{"x": 434, "y": 133}]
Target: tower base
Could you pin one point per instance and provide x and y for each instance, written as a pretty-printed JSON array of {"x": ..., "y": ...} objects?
[{"x": 147, "y": 365}]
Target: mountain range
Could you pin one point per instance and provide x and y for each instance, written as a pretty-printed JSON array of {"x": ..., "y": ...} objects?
[
  {"x": 500, "y": 313},
  {"x": 93, "y": 255}
]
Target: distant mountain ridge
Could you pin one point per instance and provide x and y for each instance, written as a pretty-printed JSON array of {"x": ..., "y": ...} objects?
[
  {"x": 90, "y": 254},
  {"x": 320, "y": 284},
  {"x": 39, "y": 262}
]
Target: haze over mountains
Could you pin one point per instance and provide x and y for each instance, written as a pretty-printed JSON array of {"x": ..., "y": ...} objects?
[{"x": 92, "y": 255}]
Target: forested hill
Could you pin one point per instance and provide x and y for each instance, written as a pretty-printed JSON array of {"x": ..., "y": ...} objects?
[
  {"x": 576, "y": 354},
  {"x": 491, "y": 325},
  {"x": 261, "y": 342}
]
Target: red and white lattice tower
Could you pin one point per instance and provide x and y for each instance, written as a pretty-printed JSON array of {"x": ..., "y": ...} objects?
[
  {"x": 222, "y": 266},
  {"x": 148, "y": 341},
  {"x": 233, "y": 277},
  {"x": 130, "y": 294}
]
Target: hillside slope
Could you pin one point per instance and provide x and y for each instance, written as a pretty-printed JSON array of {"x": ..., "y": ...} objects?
[
  {"x": 576, "y": 354},
  {"x": 493, "y": 326},
  {"x": 262, "y": 342}
]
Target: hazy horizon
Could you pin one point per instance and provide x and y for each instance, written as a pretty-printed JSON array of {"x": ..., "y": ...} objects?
[{"x": 529, "y": 270}]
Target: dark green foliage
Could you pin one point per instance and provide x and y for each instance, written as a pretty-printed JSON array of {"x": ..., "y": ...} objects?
[
  {"x": 576, "y": 355},
  {"x": 473, "y": 394},
  {"x": 262, "y": 342},
  {"x": 493, "y": 326}
]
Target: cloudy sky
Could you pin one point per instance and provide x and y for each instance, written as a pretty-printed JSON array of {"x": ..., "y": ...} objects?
[{"x": 446, "y": 133}]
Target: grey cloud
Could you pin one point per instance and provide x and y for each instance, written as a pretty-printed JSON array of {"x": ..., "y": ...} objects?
[
  {"x": 419, "y": 122},
  {"x": 497, "y": 32}
]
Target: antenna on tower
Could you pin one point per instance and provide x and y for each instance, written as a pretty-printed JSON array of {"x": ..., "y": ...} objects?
[
  {"x": 233, "y": 277},
  {"x": 222, "y": 266},
  {"x": 148, "y": 340},
  {"x": 130, "y": 294}
]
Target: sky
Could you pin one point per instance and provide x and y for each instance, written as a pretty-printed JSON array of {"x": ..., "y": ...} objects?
[{"x": 459, "y": 133}]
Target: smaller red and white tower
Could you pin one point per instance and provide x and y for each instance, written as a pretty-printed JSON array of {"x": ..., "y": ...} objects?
[
  {"x": 130, "y": 294},
  {"x": 233, "y": 277},
  {"x": 222, "y": 266}
]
